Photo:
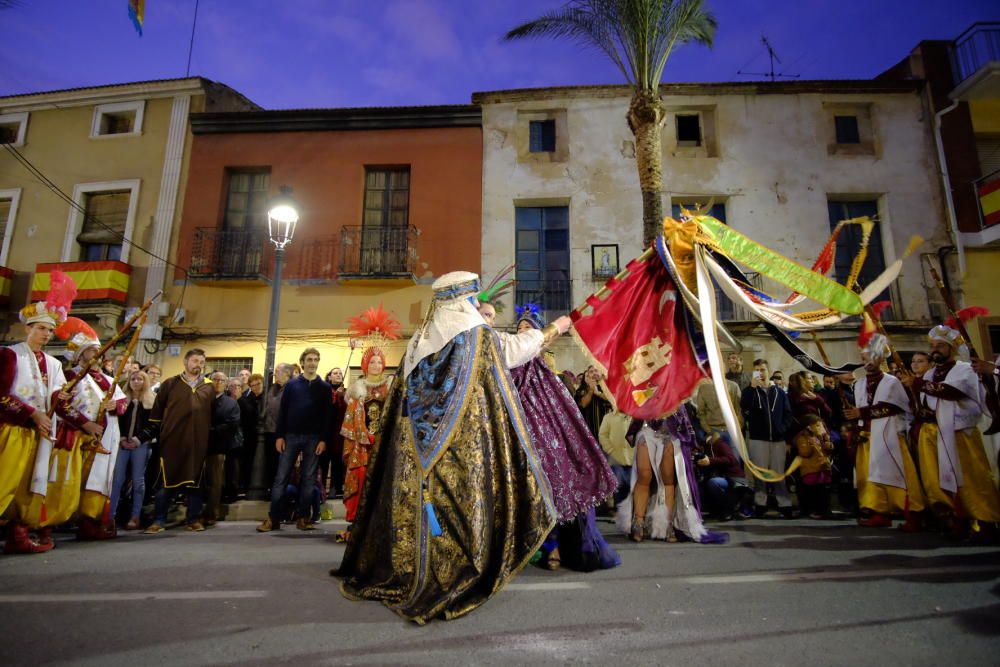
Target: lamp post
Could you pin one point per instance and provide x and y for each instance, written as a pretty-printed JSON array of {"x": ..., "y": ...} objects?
[{"x": 282, "y": 216}]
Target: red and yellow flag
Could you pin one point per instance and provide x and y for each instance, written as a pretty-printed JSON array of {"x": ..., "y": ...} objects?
[{"x": 636, "y": 334}]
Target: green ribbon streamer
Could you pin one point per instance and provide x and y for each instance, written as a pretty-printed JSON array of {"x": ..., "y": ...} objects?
[{"x": 817, "y": 287}]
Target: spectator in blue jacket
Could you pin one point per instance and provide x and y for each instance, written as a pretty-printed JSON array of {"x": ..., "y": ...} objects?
[{"x": 768, "y": 416}]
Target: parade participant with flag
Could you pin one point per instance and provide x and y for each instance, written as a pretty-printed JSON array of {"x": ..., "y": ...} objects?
[
  {"x": 954, "y": 468},
  {"x": 454, "y": 502},
  {"x": 887, "y": 479},
  {"x": 30, "y": 380}
]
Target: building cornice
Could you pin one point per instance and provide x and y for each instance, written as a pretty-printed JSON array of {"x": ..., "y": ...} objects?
[
  {"x": 119, "y": 92},
  {"x": 833, "y": 87},
  {"x": 304, "y": 120}
]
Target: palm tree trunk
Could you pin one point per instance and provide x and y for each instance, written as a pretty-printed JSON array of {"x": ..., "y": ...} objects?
[{"x": 645, "y": 116}]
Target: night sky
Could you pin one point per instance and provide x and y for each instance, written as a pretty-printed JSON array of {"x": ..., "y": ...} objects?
[{"x": 342, "y": 53}]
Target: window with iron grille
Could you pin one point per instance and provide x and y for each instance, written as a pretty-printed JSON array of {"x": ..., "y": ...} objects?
[
  {"x": 542, "y": 136},
  {"x": 384, "y": 242},
  {"x": 103, "y": 229},
  {"x": 542, "y": 247},
  {"x": 231, "y": 366},
  {"x": 849, "y": 241},
  {"x": 246, "y": 199}
]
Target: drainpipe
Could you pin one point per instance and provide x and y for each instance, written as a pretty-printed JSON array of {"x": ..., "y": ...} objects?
[{"x": 946, "y": 182}]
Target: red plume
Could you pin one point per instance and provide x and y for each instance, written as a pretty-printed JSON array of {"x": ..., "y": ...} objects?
[
  {"x": 880, "y": 307},
  {"x": 62, "y": 291},
  {"x": 868, "y": 330},
  {"x": 73, "y": 326},
  {"x": 966, "y": 314},
  {"x": 374, "y": 320}
]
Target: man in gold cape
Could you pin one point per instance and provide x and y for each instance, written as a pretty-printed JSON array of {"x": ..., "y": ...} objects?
[{"x": 455, "y": 502}]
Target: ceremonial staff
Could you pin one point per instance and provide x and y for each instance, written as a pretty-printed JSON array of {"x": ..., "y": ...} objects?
[
  {"x": 992, "y": 400},
  {"x": 68, "y": 387}
]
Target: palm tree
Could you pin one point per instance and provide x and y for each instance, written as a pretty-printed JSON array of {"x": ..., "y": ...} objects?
[{"x": 638, "y": 36}]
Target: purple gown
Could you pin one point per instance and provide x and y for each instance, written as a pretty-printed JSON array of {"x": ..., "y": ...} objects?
[{"x": 574, "y": 463}]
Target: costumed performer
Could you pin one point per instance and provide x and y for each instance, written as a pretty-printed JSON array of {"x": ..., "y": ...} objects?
[
  {"x": 87, "y": 440},
  {"x": 366, "y": 399},
  {"x": 30, "y": 379},
  {"x": 663, "y": 450},
  {"x": 954, "y": 468},
  {"x": 455, "y": 502},
  {"x": 573, "y": 461},
  {"x": 887, "y": 478}
]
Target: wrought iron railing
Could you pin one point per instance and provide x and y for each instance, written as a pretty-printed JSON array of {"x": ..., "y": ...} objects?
[
  {"x": 378, "y": 251},
  {"x": 237, "y": 254},
  {"x": 552, "y": 296},
  {"x": 975, "y": 47}
]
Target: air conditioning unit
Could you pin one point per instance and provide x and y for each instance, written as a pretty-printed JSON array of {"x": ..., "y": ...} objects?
[{"x": 151, "y": 332}]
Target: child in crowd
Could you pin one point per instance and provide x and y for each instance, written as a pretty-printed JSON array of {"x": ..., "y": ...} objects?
[{"x": 812, "y": 443}]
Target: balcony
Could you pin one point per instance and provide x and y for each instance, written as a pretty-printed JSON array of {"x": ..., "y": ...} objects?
[
  {"x": 378, "y": 254},
  {"x": 976, "y": 62},
  {"x": 102, "y": 290},
  {"x": 231, "y": 256}
]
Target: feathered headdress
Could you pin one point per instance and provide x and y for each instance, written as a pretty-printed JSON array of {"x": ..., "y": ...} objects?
[
  {"x": 869, "y": 339},
  {"x": 79, "y": 336},
  {"x": 497, "y": 288},
  {"x": 58, "y": 301},
  {"x": 373, "y": 328},
  {"x": 966, "y": 315},
  {"x": 530, "y": 313}
]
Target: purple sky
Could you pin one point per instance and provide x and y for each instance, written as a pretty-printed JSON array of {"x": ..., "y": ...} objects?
[{"x": 338, "y": 53}]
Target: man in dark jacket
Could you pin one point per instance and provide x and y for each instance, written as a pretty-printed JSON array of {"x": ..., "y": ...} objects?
[
  {"x": 724, "y": 486},
  {"x": 251, "y": 404},
  {"x": 222, "y": 438},
  {"x": 768, "y": 416}
]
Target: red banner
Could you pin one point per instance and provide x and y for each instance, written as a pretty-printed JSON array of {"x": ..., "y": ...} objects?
[{"x": 636, "y": 333}]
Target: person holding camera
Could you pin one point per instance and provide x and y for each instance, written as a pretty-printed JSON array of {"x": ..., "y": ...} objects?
[{"x": 768, "y": 416}]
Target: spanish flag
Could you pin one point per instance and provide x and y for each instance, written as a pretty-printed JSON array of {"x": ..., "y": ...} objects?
[
  {"x": 136, "y": 11},
  {"x": 989, "y": 201}
]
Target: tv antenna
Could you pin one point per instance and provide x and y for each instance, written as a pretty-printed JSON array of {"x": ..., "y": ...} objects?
[{"x": 773, "y": 56}]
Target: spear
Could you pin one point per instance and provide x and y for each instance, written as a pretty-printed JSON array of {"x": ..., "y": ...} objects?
[{"x": 68, "y": 387}]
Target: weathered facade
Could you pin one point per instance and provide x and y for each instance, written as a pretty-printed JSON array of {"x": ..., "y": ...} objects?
[{"x": 780, "y": 162}]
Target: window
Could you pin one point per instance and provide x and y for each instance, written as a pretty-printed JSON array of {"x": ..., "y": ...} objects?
[
  {"x": 850, "y": 240},
  {"x": 542, "y": 247},
  {"x": 246, "y": 200},
  {"x": 103, "y": 229},
  {"x": 847, "y": 129},
  {"x": 13, "y": 127},
  {"x": 102, "y": 214},
  {"x": 8, "y": 210},
  {"x": 688, "y": 130},
  {"x": 387, "y": 197},
  {"x": 542, "y": 136},
  {"x": 231, "y": 366},
  {"x": 116, "y": 120}
]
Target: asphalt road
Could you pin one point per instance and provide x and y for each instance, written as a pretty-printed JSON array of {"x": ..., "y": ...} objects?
[{"x": 781, "y": 593}]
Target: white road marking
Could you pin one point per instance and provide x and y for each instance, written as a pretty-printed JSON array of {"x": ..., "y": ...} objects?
[
  {"x": 116, "y": 597},
  {"x": 833, "y": 575},
  {"x": 554, "y": 586}
]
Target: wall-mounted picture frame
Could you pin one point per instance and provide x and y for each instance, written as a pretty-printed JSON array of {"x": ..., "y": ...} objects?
[{"x": 604, "y": 260}]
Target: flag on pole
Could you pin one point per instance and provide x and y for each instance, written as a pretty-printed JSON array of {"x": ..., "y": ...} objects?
[
  {"x": 636, "y": 334},
  {"x": 136, "y": 11}
]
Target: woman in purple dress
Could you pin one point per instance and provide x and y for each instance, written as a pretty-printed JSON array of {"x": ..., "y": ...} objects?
[{"x": 573, "y": 461}]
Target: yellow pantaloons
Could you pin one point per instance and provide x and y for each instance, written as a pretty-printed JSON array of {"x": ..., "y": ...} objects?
[
  {"x": 65, "y": 495},
  {"x": 978, "y": 496},
  {"x": 883, "y": 498},
  {"x": 18, "y": 446}
]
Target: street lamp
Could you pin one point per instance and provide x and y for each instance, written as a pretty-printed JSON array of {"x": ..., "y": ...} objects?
[{"x": 282, "y": 216}]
